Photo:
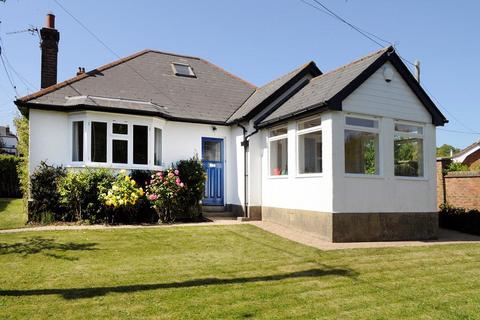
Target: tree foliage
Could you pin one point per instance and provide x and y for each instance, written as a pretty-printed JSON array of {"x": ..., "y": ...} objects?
[
  {"x": 21, "y": 125},
  {"x": 446, "y": 150}
]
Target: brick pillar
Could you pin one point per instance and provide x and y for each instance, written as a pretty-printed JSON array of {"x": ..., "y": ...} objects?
[{"x": 49, "y": 45}]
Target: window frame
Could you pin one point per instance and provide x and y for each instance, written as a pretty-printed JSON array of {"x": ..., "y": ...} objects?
[
  {"x": 178, "y": 74},
  {"x": 301, "y": 132},
  {"x": 378, "y": 130},
  {"x": 88, "y": 117},
  {"x": 409, "y": 135},
  {"x": 272, "y": 139}
]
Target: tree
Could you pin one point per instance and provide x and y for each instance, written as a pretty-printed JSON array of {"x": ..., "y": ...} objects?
[{"x": 446, "y": 151}]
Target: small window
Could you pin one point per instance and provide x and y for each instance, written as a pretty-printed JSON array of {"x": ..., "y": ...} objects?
[
  {"x": 77, "y": 141},
  {"x": 158, "y": 147},
  {"x": 361, "y": 122},
  {"x": 309, "y": 146},
  {"x": 408, "y": 150},
  {"x": 278, "y": 146},
  {"x": 119, "y": 151},
  {"x": 311, "y": 123},
  {"x": 278, "y": 132},
  {"x": 99, "y": 142},
  {"x": 212, "y": 150},
  {"x": 140, "y": 144},
  {"x": 181, "y": 69},
  {"x": 120, "y": 128}
]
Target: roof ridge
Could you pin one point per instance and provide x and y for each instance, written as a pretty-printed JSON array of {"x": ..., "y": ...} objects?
[
  {"x": 386, "y": 49},
  {"x": 67, "y": 82},
  {"x": 173, "y": 54}
]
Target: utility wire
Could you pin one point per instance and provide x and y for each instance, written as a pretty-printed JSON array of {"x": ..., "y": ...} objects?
[
  {"x": 8, "y": 74},
  {"x": 110, "y": 49},
  {"x": 324, "y": 9},
  {"x": 459, "y": 131}
]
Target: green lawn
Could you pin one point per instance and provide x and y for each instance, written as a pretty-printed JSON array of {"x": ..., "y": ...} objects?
[
  {"x": 12, "y": 214},
  {"x": 236, "y": 271}
]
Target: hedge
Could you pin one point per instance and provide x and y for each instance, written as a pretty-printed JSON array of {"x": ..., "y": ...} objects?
[
  {"x": 459, "y": 219},
  {"x": 9, "y": 182}
]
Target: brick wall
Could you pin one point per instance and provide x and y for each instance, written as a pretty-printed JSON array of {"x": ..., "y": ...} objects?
[{"x": 459, "y": 189}]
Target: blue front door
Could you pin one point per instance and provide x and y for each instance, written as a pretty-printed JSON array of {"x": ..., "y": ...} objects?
[{"x": 212, "y": 159}]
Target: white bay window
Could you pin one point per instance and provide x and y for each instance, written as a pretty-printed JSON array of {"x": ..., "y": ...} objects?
[{"x": 309, "y": 151}]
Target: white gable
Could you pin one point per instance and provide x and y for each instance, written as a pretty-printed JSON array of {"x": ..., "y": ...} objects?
[{"x": 389, "y": 99}]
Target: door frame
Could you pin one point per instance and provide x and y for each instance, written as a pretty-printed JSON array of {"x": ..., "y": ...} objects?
[{"x": 222, "y": 161}]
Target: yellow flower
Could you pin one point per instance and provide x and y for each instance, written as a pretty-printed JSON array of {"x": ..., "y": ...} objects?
[
  {"x": 123, "y": 171},
  {"x": 132, "y": 182},
  {"x": 127, "y": 178}
]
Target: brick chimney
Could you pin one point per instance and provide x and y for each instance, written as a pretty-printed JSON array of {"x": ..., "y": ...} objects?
[{"x": 49, "y": 44}]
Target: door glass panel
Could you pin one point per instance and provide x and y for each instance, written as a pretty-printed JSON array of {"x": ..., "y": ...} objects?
[{"x": 211, "y": 151}]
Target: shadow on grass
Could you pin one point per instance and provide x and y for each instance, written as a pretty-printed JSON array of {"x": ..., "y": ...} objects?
[
  {"x": 36, "y": 245},
  {"x": 4, "y": 202},
  {"x": 78, "y": 293}
]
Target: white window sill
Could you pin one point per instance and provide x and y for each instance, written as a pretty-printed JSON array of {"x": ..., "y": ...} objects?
[
  {"x": 114, "y": 166},
  {"x": 285, "y": 176},
  {"x": 411, "y": 178},
  {"x": 309, "y": 175},
  {"x": 364, "y": 176}
]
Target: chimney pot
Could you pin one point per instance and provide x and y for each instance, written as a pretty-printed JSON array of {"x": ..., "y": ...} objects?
[
  {"x": 50, "y": 21},
  {"x": 80, "y": 71}
]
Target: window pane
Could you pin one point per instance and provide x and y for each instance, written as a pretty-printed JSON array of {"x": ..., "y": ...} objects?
[
  {"x": 360, "y": 122},
  {"x": 361, "y": 152},
  {"x": 408, "y": 156},
  {"x": 140, "y": 144},
  {"x": 278, "y": 132},
  {"x": 158, "y": 147},
  {"x": 279, "y": 157},
  {"x": 309, "y": 123},
  {"x": 77, "y": 141},
  {"x": 408, "y": 128},
  {"x": 120, "y": 128},
  {"x": 184, "y": 70},
  {"x": 119, "y": 151},
  {"x": 99, "y": 142},
  {"x": 211, "y": 150},
  {"x": 310, "y": 152}
]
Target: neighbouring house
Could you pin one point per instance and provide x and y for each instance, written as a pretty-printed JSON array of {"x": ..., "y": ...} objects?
[
  {"x": 470, "y": 156},
  {"x": 348, "y": 154},
  {"x": 8, "y": 141}
]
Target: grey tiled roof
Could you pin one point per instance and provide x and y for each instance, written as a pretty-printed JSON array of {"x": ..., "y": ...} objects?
[
  {"x": 262, "y": 93},
  {"x": 324, "y": 87},
  {"x": 146, "y": 82}
]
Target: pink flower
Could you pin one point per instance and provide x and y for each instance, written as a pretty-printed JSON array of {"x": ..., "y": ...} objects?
[
  {"x": 153, "y": 197},
  {"x": 165, "y": 182},
  {"x": 176, "y": 172},
  {"x": 159, "y": 174},
  {"x": 181, "y": 184},
  {"x": 177, "y": 181}
]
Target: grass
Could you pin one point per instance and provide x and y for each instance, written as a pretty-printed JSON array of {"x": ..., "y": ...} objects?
[
  {"x": 228, "y": 272},
  {"x": 12, "y": 214}
]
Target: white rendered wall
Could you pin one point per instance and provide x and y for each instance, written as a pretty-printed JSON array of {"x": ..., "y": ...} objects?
[
  {"x": 294, "y": 191},
  {"x": 49, "y": 139}
]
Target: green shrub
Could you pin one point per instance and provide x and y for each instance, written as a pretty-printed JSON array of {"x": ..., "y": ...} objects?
[
  {"x": 9, "y": 183},
  {"x": 21, "y": 125},
  {"x": 44, "y": 191},
  {"x": 192, "y": 174},
  {"x": 79, "y": 191},
  {"x": 457, "y": 166},
  {"x": 459, "y": 219},
  {"x": 121, "y": 197}
]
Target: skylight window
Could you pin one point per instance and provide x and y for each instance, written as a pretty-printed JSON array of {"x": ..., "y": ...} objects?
[{"x": 180, "y": 69}]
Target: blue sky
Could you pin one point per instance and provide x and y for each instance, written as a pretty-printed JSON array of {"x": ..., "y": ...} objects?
[{"x": 258, "y": 41}]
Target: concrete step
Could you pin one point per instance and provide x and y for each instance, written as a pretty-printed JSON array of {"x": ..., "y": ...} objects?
[
  {"x": 214, "y": 208},
  {"x": 218, "y": 214}
]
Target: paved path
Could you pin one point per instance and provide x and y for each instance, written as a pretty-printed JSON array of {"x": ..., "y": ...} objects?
[{"x": 446, "y": 236}]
